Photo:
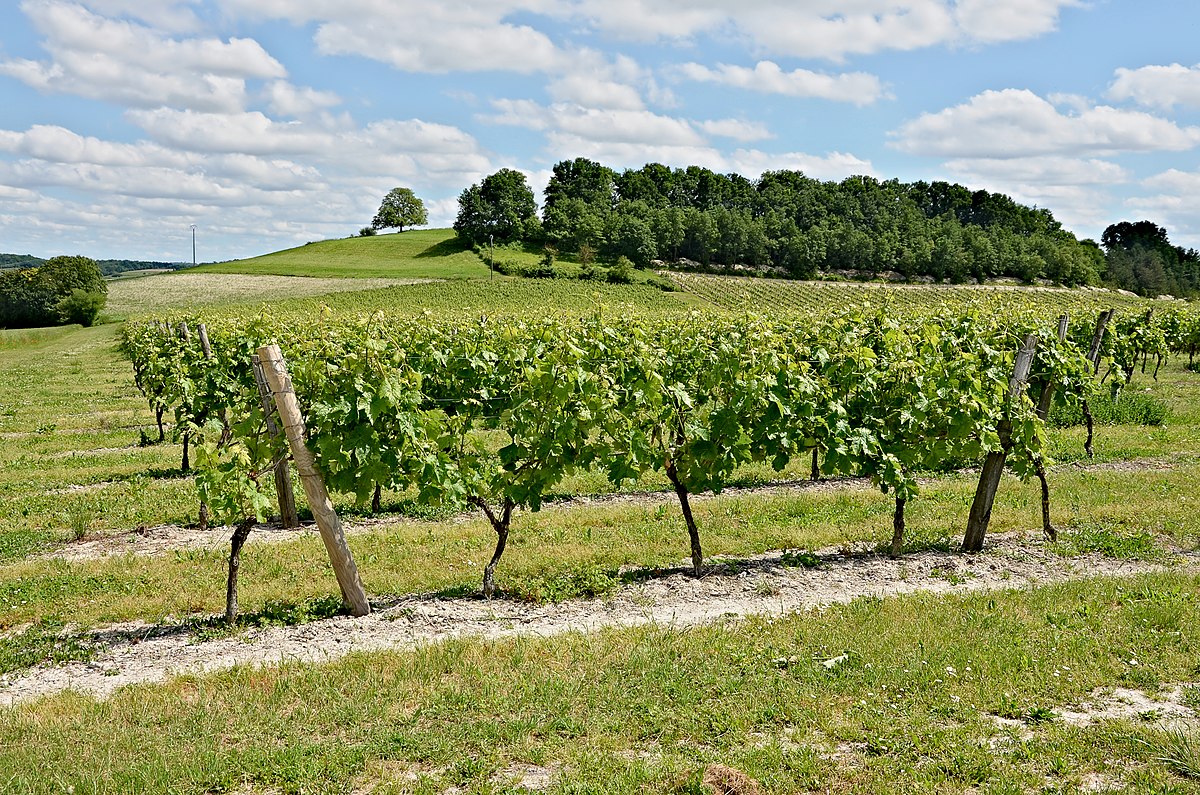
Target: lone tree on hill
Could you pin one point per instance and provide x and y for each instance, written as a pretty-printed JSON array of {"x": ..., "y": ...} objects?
[{"x": 400, "y": 208}]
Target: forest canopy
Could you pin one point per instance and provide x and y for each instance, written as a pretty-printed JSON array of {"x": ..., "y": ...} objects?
[{"x": 788, "y": 222}]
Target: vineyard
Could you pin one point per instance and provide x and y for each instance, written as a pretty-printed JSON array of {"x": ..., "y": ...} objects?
[
  {"x": 782, "y": 296},
  {"x": 494, "y": 414},
  {"x": 622, "y": 470}
]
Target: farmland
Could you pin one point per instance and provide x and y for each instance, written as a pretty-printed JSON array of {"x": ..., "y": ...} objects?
[{"x": 973, "y": 675}]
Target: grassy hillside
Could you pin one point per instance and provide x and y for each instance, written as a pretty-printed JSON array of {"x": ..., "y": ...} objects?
[{"x": 415, "y": 254}]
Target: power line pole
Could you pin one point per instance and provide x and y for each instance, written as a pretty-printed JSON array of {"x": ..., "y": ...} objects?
[{"x": 193, "y": 245}]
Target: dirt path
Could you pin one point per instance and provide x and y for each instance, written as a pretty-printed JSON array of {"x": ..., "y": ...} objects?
[
  {"x": 162, "y": 539},
  {"x": 762, "y": 585}
]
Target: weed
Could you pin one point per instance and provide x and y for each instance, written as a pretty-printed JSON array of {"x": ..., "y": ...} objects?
[
  {"x": 79, "y": 519},
  {"x": 46, "y": 641},
  {"x": 1083, "y": 537},
  {"x": 1177, "y": 749},
  {"x": 583, "y": 582},
  {"x": 799, "y": 558}
]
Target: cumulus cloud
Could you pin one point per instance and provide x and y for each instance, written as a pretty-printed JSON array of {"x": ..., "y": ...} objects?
[
  {"x": 285, "y": 99},
  {"x": 1019, "y": 123},
  {"x": 828, "y": 28},
  {"x": 1158, "y": 86},
  {"x": 133, "y": 65},
  {"x": 737, "y": 129},
  {"x": 1171, "y": 199},
  {"x": 767, "y": 77}
]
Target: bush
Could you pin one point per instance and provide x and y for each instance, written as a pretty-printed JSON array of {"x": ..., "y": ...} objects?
[
  {"x": 622, "y": 271},
  {"x": 82, "y": 307},
  {"x": 368, "y": 231},
  {"x": 32, "y": 297}
]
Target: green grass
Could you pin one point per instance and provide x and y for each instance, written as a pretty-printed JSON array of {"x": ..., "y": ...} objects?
[
  {"x": 415, "y": 254},
  {"x": 647, "y": 710}
]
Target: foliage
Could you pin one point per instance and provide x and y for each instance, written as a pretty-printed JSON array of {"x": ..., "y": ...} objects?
[
  {"x": 495, "y": 413},
  {"x": 400, "y": 208},
  {"x": 500, "y": 209},
  {"x": 81, "y": 306},
  {"x": 1141, "y": 258},
  {"x": 31, "y": 297},
  {"x": 795, "y": 225}
]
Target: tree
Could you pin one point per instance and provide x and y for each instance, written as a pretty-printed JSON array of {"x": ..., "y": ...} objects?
[
  {"x": 501, "y": 206},
  {"x": 34, "y": 296},
  {"x": 400, "y": 208}
]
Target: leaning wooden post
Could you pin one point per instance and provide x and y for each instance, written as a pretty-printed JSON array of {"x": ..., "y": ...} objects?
[
  {"x": 1094, "y": 357},
  {"x": 275, "y": 370},
  {"x": 185, "y": 464},
  {"x": 1039, "y": 461},
  {"x": 993, "y": 466},
  {"x": 283, "y": 478}
]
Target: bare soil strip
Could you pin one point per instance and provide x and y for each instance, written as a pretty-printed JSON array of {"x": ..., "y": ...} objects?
[
  {"x": 162, "y": 539},
  {"x": 762, "y": 585}
]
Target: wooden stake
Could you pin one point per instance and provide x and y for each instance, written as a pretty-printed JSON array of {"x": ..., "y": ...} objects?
[
  {"x": 1047, "y": 396},
  {"x": 275, "y": 370},
  {"x": 993, "y": 466},
  {"x": 283, "y": 477}
]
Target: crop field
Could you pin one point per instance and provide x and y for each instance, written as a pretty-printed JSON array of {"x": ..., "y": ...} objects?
[
  {"x": 779, "y": 296},
  {"x": 804, "y": 659}
]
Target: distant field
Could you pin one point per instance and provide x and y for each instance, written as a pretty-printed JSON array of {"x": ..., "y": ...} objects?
[
  {"x": 127, "y": 297},
  {"x": 416, "y": 254},
  {"x": 780, "y": 296}
]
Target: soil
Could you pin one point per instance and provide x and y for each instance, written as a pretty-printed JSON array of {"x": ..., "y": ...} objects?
[
  {"x": 138, "y": 653},
  {"x": 161, "y": 539}
]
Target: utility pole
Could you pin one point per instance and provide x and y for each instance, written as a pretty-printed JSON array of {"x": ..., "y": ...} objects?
[{"x": 193, "y": 245}]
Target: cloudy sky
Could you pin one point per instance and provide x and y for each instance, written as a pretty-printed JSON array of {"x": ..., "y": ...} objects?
[{"x": 270, "y": 123}]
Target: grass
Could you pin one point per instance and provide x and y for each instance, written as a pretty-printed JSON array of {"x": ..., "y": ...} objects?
[
  {"x": 415, "y": 254},
  {"x": 619, "y": 711},
  {"x": 648, "y": 710}
]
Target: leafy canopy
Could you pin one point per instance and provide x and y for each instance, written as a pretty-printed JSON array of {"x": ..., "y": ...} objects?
[{"x": 400, "y": 208}]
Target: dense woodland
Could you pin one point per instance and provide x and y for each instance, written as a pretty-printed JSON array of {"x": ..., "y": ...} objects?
[
  {"x": 801, "y": 226},
  {"x": 108, "y": 267}
]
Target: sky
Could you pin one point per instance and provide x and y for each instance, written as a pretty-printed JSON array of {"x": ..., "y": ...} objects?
[{"x": 267, "y": 124}]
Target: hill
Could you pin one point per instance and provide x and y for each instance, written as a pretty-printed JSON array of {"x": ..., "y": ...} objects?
[{"x": 415, "y": 254}]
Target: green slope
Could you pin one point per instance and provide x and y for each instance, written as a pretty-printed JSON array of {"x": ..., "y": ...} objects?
[{"x": 415, "y": 254}]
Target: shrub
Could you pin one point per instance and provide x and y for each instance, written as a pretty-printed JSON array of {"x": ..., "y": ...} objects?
[
  {"x": 622, "y": 271},
  {"x": 82, "y": 307},
  {"x": 368, "y": 231}
]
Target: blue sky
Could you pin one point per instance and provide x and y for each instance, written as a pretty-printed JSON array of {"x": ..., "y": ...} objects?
[{"x": 270, "y": 123}]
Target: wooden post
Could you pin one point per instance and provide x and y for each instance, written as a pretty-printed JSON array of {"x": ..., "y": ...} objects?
[
  {"x": 1094, "y": 357},
  {"x": 1098, "y": 338},
  {"x": 275, "y": 370},
  {"x": 993, "y": 466},
  {"x": 283, "y": 478},
  {"x": 1047, "y": 396},
  {"x": 204, "y": 343}
]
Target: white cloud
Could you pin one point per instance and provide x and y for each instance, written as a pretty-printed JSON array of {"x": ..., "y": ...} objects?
[
  {"x": 285, "y": 99},
  {"x": 1174, "y": 196},
  {"x": 1018, "y": 123},
  {"x": 767, "y": 77},
  {"x": 598, "y": 124},
  {"x": 129, "y": 64},
  {"x": 830, "y": 29},
  {"x": 174, "y": 16},
  {"x": 737, "y": 129},
  {"x": 1158, "y": 86},
  {"x": 989, "y": 21}
]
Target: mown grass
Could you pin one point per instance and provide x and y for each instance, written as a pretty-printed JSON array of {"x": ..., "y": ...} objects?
[
  {"x": 414, "y": 254},
  {"x": 911, "y": 709}
]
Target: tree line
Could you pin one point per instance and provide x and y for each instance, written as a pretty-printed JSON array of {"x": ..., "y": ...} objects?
[
  {"x": 60, "y": 290},
  {"x": 798, "y": 226}
]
